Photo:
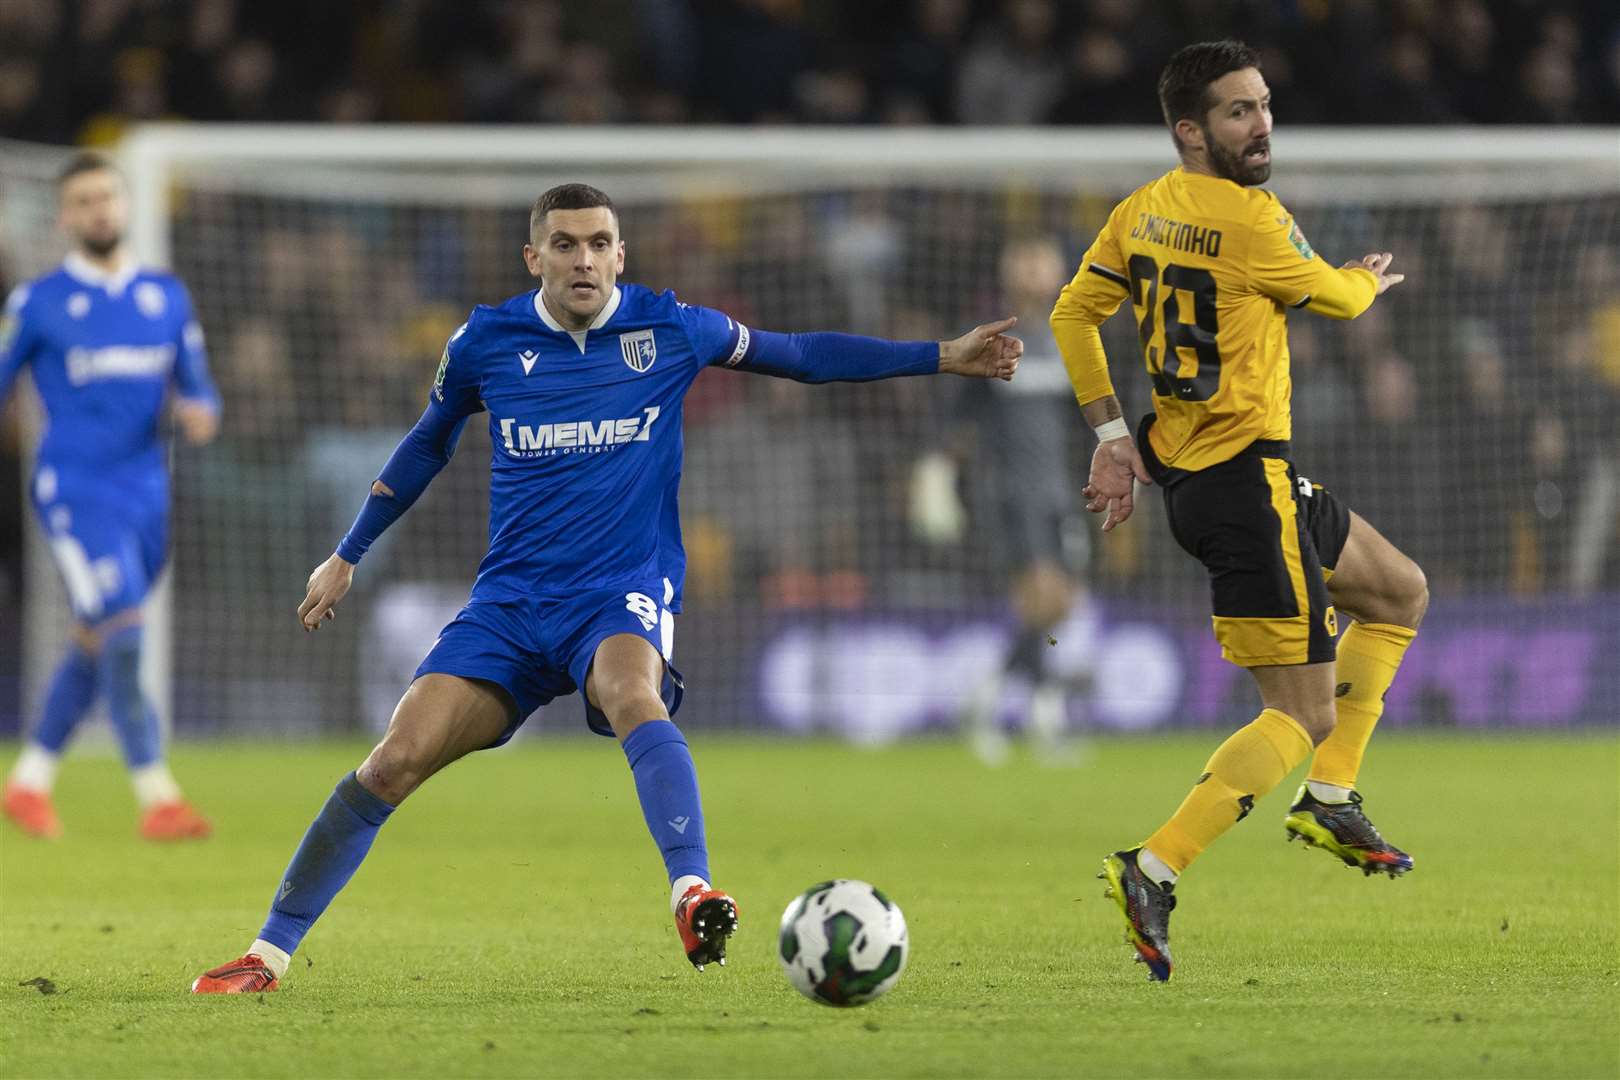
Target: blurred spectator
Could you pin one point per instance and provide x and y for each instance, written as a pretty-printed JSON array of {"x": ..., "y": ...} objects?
[
  {"x": 922, "y": 64},
  {"x": 1407, "y": 91},
  {"x": 1385, "y": 470},
  {"x": 1548, "y": 88},
  {"x": 1027, "y": 506},
  {"x": 1012, "y": 73},
  {"x": 1098, "y": 88},
  {"x": 1467, "y": 50},
  {"x": 741, "y": 61},
  {"x": 754, "y": 52},
  {"x": 1488, "y": 468}
]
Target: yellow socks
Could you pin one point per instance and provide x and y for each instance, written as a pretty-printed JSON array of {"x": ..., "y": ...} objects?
[
  {"x": 1257, "y": 758},
  {"x": 1369, "y": 654}
]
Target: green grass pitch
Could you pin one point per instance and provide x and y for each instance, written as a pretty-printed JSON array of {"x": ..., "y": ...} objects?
[{"x": 512, "y": 920}]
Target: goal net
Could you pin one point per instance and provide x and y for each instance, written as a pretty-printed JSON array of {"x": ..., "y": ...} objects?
[{"x": 858, "y": 555}]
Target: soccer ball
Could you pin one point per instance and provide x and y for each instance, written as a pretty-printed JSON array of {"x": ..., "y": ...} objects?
[{"x": 843, "y": 943}]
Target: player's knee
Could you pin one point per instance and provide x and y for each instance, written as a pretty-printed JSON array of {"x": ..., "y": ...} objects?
[
  {"x": 1416, "y": 595},
  {"x": 393, "y": 770},
  {"x": 88, "y": 641},
  {"x": 631, "y": 707},
  {"x": 626, "y": 699},
  {"x": 1317, "y": 720}
]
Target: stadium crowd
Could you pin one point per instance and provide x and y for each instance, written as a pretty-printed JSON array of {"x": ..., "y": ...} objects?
[{"x": 78, "y": 70}]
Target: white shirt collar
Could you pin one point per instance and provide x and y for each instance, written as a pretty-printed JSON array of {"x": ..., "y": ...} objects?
[
  {"x": 597, "y": 323},
  {"x": 115, "y": 281}
]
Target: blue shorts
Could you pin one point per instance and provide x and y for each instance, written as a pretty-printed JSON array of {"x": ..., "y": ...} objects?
[
  {"x": 541, "y": 648},
  {"x": 110, "y": 538}
]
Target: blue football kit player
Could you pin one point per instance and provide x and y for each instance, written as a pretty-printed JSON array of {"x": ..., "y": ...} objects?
[
  {"x": 583, "y": 380},
  {"x": 108, "y": 343}
]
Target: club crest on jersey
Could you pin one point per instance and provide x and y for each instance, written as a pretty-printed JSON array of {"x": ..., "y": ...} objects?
[
  {"x": 640, "y": 349},
  {"x": 150, "y": 299}
]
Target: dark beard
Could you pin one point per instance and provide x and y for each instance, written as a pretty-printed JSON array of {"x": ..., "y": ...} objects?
[
  {"x": 1230, "y": 166},
  {"x": 101, "y": 247}
]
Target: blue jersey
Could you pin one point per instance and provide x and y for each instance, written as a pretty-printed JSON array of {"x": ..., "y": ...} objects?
[
  {"x": 586, "y": 427},
  {"x": 103, "y": 350}
]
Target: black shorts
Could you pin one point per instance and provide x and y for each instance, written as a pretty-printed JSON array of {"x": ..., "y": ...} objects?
[{"x": 1270, "y": 540}]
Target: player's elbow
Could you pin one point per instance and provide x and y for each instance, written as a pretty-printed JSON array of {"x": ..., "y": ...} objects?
[
  {"x": 381, "y": 490},
  {"x": 1337, "y": 308}
]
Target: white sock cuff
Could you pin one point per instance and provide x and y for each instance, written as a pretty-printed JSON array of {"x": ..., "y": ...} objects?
[
  {"x": 275, "y": 959},
  {"x": 154, "y": 784},
  {"x": 35, "y": 768},
  {"x": 678, "y": 888},
  {"x": 1155, "y": 868},
  {"x": 1328, "y": 793}
]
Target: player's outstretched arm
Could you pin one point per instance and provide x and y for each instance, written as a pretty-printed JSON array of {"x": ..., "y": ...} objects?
[
  {"x": 425, "y": 450},
  {"x": 16, "y": 341},
  {"x": 196, "y": 404},
  {"x": 984, "y": 352}
]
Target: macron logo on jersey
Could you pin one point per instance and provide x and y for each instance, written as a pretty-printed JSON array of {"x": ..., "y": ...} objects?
[{"x": 577, "y": 436}]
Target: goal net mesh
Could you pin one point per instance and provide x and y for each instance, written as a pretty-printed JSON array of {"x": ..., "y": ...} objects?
[{"x": 855, "y": 550}]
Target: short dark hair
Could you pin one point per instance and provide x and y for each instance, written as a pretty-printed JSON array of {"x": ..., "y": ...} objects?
[
  {"x": 1184, "y": 85},
  {"x": 569, "y": 197},
  {"x": 82, "y": 162}
]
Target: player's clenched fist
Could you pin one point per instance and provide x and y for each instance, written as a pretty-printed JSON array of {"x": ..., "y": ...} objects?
[
  {"x": 984, "y": 352},
  {"x": 327, "y": 585}
]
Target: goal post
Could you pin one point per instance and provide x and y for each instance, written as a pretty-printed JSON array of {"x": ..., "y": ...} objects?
[{"x": 329, "y": 263}]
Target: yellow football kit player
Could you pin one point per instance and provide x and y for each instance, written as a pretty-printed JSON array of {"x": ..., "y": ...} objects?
[
  {"x": 1212, "y": 265},
  {"x": 1211, "y": 269}
]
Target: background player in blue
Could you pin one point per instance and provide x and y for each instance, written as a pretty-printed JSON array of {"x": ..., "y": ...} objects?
[
  {"x": 583, "y": 380},
  {"x": 106, "y": 341}
]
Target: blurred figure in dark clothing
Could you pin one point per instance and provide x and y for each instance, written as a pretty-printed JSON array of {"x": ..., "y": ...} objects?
[
  {"x": 1486, "y": 475},
  {"x": 921, "y": 67}
]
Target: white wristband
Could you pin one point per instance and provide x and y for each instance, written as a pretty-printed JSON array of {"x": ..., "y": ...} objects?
[{"x": 1112, "y": 429}]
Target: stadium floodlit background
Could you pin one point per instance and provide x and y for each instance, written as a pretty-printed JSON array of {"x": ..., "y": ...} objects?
[
  {"x": 1471, "y": 416},
  {"x": 338, "y": 183}
]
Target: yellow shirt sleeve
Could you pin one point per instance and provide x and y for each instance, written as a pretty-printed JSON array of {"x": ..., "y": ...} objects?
[
  {"x": 1283, "y": 266},
  {"x": 1098, "y": 288}
]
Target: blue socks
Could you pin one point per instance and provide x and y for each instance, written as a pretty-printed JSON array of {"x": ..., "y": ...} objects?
[
  {"x": 73, "y": 690},
  {"x": 132, "y": 718},
  {"x": 341, "y": 835},
  {"x": 666, "y": 783},
  {"x": 332, "y": 850}
]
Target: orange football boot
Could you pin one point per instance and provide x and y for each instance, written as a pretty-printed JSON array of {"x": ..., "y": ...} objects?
[
  {"x": 249, "y": 975},
  {"x": 705, "y": 919},
  {"x": 174, "y": 821},
  {"x": 32, "y": 811}
]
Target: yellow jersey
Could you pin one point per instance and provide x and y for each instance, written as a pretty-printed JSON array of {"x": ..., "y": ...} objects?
[{"x": 1211, "y": 269}]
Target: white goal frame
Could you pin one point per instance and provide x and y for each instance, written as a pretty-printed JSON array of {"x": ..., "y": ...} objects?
[{"x": 1375, "y": 163}]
